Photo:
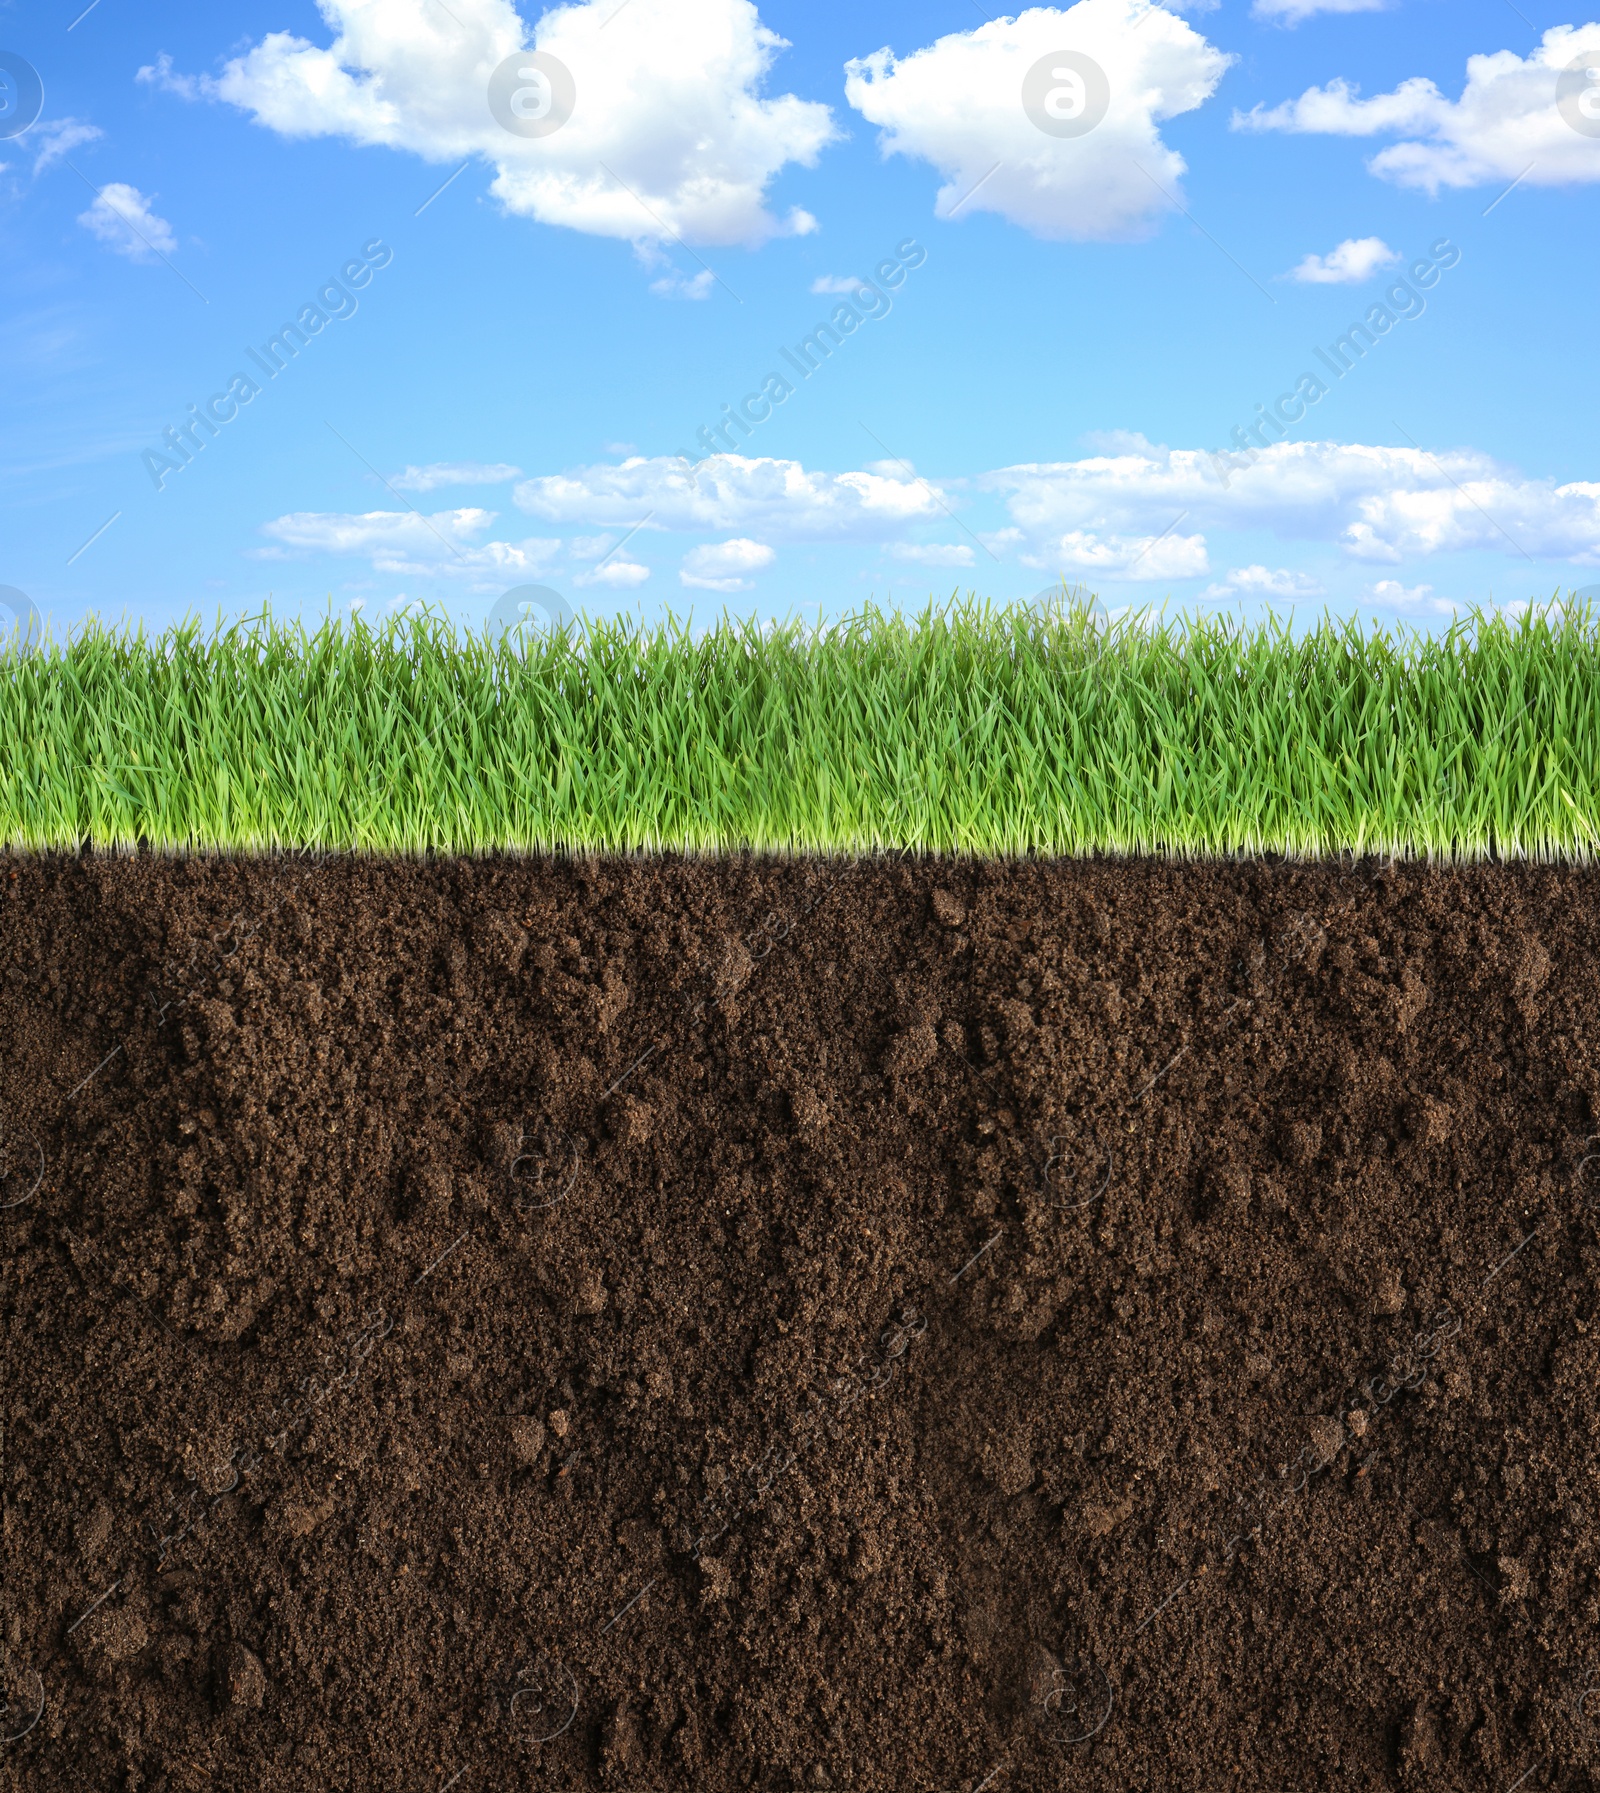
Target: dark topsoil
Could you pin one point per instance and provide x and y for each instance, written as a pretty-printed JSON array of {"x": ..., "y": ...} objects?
[{"x": 1021, "y": 1326}]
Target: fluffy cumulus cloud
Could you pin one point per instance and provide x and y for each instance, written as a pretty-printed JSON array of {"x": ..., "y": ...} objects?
[
  {"x": 1535, "y": 118},
  {"x": 1356, "y": 259},
  {"x": 121, "y": 217},
  {"x": 772, "y": 499},
  {"x": 670, "y": 132},
  {"x": 959, "y": 104},
  {"x": 621, "y": 574},
  {"x": 410, "y": 545},
  {"x": 1395, "y": 596},
  {"x": 455, "y": 473},
  {"x": 724, "y": 566},
  {"x": 1265, "y": 582},
  {"x": 1379, "y": 504},
  {"x": 1112, "y": 556},
  {"x": 1291, "y": 12}
]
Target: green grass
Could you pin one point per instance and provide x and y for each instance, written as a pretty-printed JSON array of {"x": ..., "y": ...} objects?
[{"x": 964, "y": 730}]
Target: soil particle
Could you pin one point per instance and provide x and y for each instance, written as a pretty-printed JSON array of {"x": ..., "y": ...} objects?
[
  {"x": 1419, "y": 1743},
  {"x": 1327, "y": 1435},
  {"x": 912, "y": 1051},
  {"x": 119, "y": 1635},
  {"x": 588, "y": 1297},
  {"x": 1302, "y": 1142},
  {"x": 246, "y": 1679},
  {"x": 93, "y": 1531},
  {"x": 620, "y": 1747},
  {"x": 950, "y": 910},
  {"x": 527, "y": 1439},
  {"x": 1388, "y": 1294}
]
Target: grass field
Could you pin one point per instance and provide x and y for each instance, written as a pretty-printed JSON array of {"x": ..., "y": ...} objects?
[{"x": 965, "y": 730}]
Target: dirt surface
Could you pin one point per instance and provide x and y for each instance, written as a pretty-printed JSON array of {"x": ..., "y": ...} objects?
[{"x": 878, "y": 1325}]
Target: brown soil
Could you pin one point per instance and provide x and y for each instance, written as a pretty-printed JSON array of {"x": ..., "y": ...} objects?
[{"x": 743, "y": 1325}]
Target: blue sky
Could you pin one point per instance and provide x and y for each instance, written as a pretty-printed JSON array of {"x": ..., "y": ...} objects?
[{"x": 1053, "y": 377}]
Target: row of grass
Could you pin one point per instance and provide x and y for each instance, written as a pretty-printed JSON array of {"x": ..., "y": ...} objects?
[{"x": 967, "y": 729}]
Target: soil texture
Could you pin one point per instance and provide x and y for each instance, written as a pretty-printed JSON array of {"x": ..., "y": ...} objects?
[{"x": 885, "y": 1324}]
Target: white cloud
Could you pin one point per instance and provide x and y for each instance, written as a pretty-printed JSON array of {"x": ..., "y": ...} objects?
[
  {"x": 836, "y": 283},
  {"x": 1506, "y": 125},
  {"x": 59, "y": 137},
  {"x": 670, "y": 134},
  {"x": 1557, "y": 607},
  {"x": 933, "y": 554},
  {"x": 1337, "y": 110},
  {"x": 591, "y": 547},
  {"x": 1379, "y": 504},
  {"x": 454, "y": 473},
  {"x": 1164, "y": 556},
  {"x": 619, "y": 575},
  {"x": 1356, "y": 259},
  {"x": 1001, "y": 541},
  {"x": 159, "y": 74},
  {"x": 730, "y": 492},
  {"x": 1400, "y": 597},
  {"x": 1291, "y": 12},
  {"x": 673, "y": 285},
  {"x": 1265, "y": 582},
  {"x": 957, "y": 104},
  {"x": 1119, "y": 442},
  {"x": 1141, "y": 514},
  {"x": 407, "y": 545},
  {"x": 122, "y": 219},
  {"x": 722, "y": 566}
]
